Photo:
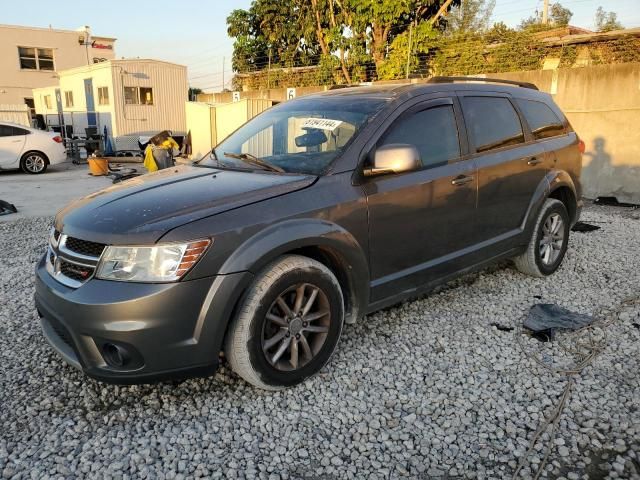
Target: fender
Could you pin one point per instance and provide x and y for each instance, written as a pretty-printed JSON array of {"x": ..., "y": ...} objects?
[
  {"x": 552, "y": 181},
  {"x": 291, "y": 235}
]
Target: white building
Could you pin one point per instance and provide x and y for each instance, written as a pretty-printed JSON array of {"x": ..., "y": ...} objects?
[
  {"x": 30, "y": 57},
  {"x": 132, "y": 98}
]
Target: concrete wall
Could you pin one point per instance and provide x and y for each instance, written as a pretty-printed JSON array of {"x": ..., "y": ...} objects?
[
  {"x": 210, "y": 124},
  {"x": 603, "y": 105},
  {"x": 16, "y": 84}
]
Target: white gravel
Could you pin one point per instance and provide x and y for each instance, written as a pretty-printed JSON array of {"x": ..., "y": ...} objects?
[{"x": 426, "y": 389}]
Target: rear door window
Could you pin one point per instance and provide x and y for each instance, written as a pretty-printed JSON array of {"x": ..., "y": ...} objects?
[
  {"x": 543, "y": 121},
  {"x": 433, "y": 132},
  {"x": 492, "y": 122}
]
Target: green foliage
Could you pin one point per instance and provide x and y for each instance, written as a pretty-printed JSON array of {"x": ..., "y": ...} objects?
[
  {"x": 607, "y": 21},
  {"x": 351, "y": 41},
  {"x": 471, "y": 16},
  {"x": 395, "y": 64},
  {"x": 559, "y": 16}
]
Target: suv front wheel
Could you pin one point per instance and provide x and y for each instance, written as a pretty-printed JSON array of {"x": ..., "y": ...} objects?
[
  {"x": 548, "y": 243},
  {"x": 288, "y": 324}
]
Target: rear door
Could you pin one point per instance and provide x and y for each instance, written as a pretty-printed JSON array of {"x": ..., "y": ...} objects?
[
  {"x": 420, "y": 220},
  {"x": 12, "y": 141},
  {"x": 511, "y": 165}
]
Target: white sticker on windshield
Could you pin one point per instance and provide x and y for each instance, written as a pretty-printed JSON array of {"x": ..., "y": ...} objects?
[{"x": 321, "y": 123}]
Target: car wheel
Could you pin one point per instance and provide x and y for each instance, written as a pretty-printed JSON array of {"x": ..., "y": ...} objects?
[
  {"x": 548, "y": 242},
  {"x": 288, "y": 324},
  {"x": 34, "y": 162}
]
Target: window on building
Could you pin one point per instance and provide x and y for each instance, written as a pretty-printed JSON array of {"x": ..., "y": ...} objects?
[
  {"x": 131, "y": 95},
  {"x": 434, "y": 133},
  {"x": 138, "y": 95},
  {"x": 45, "y": 59},
  {"x": 47, "y": 102},
  {"x": 36, "y": 58},
  {"x": 68, "y": 99},
  {"x": 32, "y": 106},
  {"x": 146, "y": 96},
  {"x": 103, "y": 95},
  {"x": 493, "y": 122},
  {"x": 544, "y": 123}
]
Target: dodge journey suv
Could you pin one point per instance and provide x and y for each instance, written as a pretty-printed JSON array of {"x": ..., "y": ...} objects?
[{"x": 311, "y": 215}]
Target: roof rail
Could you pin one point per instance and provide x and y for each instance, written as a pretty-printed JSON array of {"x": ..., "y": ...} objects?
[{"x": 481, "y": 79}]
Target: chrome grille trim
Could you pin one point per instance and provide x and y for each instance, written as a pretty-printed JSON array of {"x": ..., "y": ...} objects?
[
  {"x": 58, "y": 253},
  {"x": 70, "y": 254}
]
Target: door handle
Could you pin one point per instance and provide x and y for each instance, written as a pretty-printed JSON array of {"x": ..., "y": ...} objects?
[
  {"x": 534, "y": 161},
  {"x": 16, "y": 141},
  {"x": 461, "y": 180}
]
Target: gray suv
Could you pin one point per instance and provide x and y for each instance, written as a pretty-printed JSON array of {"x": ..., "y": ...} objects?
[{"x": 313, "y": 214}]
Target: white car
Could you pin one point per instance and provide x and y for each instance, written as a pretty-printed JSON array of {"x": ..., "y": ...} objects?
[{"x": 29, "y": 149}]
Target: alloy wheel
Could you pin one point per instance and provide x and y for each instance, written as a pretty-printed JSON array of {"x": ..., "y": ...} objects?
[
  {"x": 552, "y": 239},
  {"x": 34, "y": 163},
  {"x": 296, "y": 327}
]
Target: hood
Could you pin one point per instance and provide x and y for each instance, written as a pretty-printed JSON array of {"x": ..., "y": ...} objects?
[{"x": 141, "y": 210}]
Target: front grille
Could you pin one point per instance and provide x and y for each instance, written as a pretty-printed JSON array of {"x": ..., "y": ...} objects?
[
  {"x": 72, "y": 261},
  {"x": 75, "y": 272},
  {"x": 84, "y": 247},
  {"x": 61, "y": 331}
]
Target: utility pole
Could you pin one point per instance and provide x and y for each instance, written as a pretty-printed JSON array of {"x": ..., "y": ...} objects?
[
  {"x": 409, "y": 49},
  {"x": 223, "y": 73},
  {"x": 545, "y": 12},
  {"x": 269, "y": 71}
]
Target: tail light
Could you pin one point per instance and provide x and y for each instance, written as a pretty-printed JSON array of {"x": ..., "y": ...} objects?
[
  {"x": 57, "y": 139},
  {"x": 581, "y": 146}
]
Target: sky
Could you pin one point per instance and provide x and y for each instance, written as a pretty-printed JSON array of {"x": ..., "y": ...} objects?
[{"x": 194, "y": 33}]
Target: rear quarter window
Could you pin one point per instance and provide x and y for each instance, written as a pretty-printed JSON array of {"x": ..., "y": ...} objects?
[
  {"x": 543, "y": 121},
  {"x": 492, "y": 122}
]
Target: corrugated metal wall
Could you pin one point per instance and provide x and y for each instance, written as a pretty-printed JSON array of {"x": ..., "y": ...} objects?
[
  {"x": 15, "y": 114},
  {"x": 170, "y": 90}
]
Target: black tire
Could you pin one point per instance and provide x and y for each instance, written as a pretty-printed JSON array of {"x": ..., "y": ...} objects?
[
  {"x": 251, "y": 331},
  {"x": 34, "y": 163},
  {"x": 533, "y": 261}
]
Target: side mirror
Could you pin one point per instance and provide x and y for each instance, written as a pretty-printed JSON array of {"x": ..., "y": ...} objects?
[{"x": 394, "y": 158}]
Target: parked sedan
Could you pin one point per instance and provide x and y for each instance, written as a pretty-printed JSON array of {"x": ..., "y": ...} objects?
[{"x": 29, "y": 149}]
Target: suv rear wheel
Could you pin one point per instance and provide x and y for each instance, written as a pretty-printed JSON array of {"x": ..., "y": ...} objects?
[
  {"x": 548, "y": 243},
  {"x": 288, "y": 325}
]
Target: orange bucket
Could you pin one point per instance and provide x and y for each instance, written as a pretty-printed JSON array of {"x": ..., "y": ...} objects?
[{"x": 98, "y": 166}]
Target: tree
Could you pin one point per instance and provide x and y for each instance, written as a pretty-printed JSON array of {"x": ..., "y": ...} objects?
[
  {"x": 471, "y": 16},
  {"x": 193, "y": 93},
  {"x": 350, "y": 35},
  {"x": 272, "y": 30},
  {"x": 559, "y": 16},
  {"x": 607, "y": 21}
]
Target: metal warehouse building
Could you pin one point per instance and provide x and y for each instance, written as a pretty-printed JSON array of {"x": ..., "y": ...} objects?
[{"x": 132, "y": 98}]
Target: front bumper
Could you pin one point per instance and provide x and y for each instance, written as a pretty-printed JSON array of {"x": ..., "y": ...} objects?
[{"x": 170, "y": 330}]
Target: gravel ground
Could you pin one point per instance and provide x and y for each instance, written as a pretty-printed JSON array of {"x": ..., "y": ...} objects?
[{"x": 425, "y": 389}]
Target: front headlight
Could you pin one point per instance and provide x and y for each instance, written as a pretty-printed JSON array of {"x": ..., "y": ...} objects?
[{"x": 160, "y": 263}]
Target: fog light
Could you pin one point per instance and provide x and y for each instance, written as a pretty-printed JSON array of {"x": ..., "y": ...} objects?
[{"x": 115, "y": 355}]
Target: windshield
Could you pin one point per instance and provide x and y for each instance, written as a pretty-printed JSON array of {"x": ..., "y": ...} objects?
[{"x": 299, "y": 136}]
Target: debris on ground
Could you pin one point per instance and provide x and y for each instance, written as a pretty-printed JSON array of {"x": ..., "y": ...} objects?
[
  {"x": 612, "y": 202},
  {"x": 6, "y": 208},
  {"x": 545, "y": 319},
  {"x": 584, "y": 227}
]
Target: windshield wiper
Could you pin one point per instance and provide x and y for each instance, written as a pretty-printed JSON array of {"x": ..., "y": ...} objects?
[{"x": 253, "y": 160}]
